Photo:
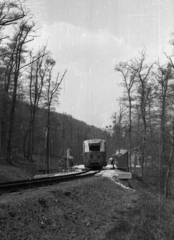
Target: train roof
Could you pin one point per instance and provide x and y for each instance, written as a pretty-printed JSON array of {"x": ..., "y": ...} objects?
[
  {"x": 120, "y": 152},
  {"x": 95, "y": 140}
]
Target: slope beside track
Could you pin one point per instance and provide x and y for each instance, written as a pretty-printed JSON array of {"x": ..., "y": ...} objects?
[{"x": 43, "y": 181}]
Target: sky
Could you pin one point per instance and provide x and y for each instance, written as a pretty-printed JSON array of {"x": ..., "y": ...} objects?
[{"x": 89, "y": 37}]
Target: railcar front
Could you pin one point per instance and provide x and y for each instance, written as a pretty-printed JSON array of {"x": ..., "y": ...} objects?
[{"x": 94, "y": 153}]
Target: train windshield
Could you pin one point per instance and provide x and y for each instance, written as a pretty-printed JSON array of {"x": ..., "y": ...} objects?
[{"x": 94, "y": 147}]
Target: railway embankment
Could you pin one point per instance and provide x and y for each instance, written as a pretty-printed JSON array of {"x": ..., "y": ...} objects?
[
  {"x": 94, "y": 208},
  {"x": 14, "y": 173}
]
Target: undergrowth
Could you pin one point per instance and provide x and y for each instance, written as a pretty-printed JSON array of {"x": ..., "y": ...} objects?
[{"x": 151, "y": 218}]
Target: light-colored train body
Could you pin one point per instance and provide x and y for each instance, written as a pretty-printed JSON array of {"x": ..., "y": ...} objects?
[{"x": 94, "y": 153}]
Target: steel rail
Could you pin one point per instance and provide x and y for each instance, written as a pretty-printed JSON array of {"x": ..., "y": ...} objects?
[
  {"x": 40, "y": 178},
  {"x": 40, "y": 182}
]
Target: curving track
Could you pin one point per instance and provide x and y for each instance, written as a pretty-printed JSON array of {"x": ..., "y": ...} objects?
[{"x": 40, "y": 182}]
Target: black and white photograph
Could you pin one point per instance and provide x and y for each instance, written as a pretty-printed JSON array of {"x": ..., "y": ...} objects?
[{"x": 86, "y": 119}]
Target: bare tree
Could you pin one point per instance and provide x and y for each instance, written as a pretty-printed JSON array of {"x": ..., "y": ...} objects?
[
  {"x": 11, "y": 12},
  {"x": 118, "y": 128},
  {"x": 36, "y": 76},
  {"x": 142, "y": 73},
  {"x": 20, "y": 38},
  {"x": 165, "y": 80},
  {"x": 164, "y": 75},
  {"x": 169, "y": 161},
  {"x": 129, "y": 78},
  {"x": 51, "y": 93}
]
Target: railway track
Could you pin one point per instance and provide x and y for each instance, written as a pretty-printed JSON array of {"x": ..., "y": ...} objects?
[{"x": 44, "y": 181}]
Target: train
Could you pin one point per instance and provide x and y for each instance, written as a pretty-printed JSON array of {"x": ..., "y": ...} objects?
[
  {"x": 94, "y": 153},
  {"x": 121, "y": 160}
]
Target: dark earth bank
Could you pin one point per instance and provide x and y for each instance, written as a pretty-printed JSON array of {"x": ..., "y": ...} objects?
[{"x": 93, "y": 208}]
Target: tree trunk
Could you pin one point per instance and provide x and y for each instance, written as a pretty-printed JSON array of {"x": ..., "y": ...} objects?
[
  {"x": 10, "y": 133},
  {"x": 48, "y": 141},
  {"x": 166, "y": 186},
  {"x": 169, "y": 170}
]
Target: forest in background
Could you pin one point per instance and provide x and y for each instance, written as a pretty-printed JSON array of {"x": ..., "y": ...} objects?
[
  {"x": 65, "y": 132},
  {"x": 29, "y": 94},
  {"x": 145, "y": 121}
]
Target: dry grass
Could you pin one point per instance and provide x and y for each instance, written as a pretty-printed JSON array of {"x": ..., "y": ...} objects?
[
  {"x": 143, "y": 215},
  {"x": 150, "y": 219}
]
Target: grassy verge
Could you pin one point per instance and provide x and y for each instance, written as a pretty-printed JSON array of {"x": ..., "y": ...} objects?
[{"x": 151, "y": 218}]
